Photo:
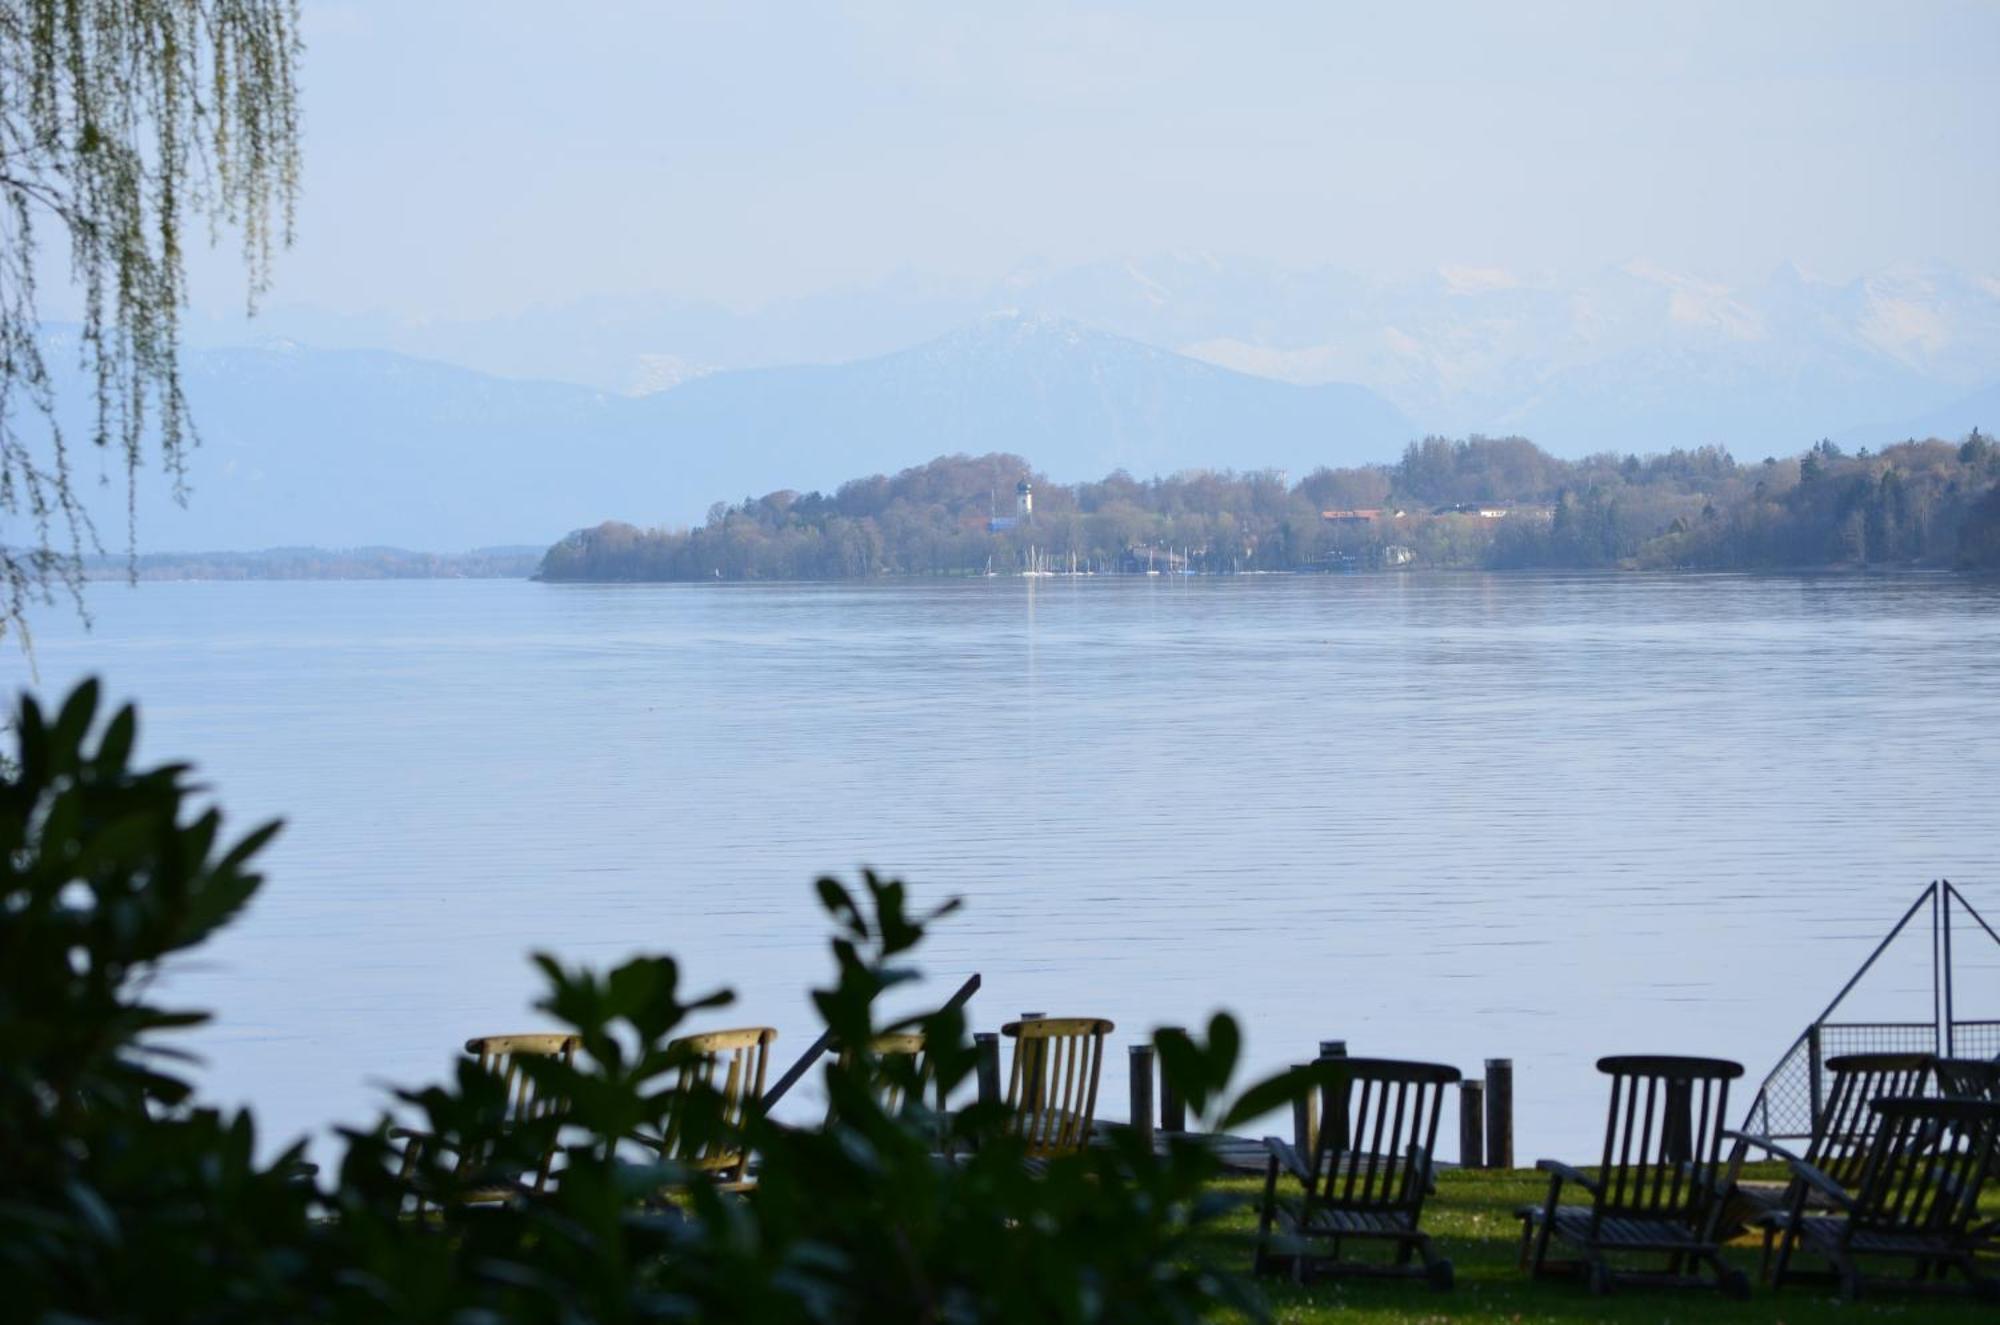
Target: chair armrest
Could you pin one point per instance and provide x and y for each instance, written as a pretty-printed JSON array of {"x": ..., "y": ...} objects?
[
  {"x": 1744, "y": 1140},
  {"x": 1421, "y": 1173},
  {"x": 1822, "y": 1184},
  {"x": 1288, "y": 1158},
  {"x": 1567, "y": 1173}
]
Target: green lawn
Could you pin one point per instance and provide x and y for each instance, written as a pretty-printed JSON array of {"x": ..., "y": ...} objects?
[{"x": 1472, "y": 1217}]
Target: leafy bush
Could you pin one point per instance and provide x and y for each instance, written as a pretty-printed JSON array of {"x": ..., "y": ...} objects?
[{"x": 123, "y": 1199}]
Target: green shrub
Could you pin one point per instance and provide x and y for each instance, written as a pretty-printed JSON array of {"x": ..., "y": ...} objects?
[{"x": 123, "y": 1199}]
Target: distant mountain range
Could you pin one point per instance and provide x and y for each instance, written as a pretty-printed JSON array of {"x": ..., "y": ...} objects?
[
  {"x": 1632, "y": 358},
  {"x": 1979, "y": 410},
  {"x": 1084, "y": 402},
  {"x": 345, "y": 448},
  {"x": 1274, "y": 368}
]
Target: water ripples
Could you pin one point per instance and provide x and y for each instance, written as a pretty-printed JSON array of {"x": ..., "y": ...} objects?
[{"x": 1449, "y": 817}]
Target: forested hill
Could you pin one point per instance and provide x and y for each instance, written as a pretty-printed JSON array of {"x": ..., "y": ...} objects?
[{"x": 1491, "y": 503}]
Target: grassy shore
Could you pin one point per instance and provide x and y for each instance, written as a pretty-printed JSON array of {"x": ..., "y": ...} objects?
[{"x": 1472, "y": 1218}]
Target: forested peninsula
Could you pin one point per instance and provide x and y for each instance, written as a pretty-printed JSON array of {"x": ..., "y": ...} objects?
[{"x": 1477, "y": 503}]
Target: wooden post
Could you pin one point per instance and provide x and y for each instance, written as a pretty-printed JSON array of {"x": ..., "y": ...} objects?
[
  {"x": 1173, "y": 1109},
  {"x": 1472, "y": 1123},
  {"x": 1305, "y": 1122},
  {"x": 1815, "y": 1076},
  {"x": 987, "y": 1045},
  {"x": 1141, "y": 1074},
  {"x": 1332, "y": 1110},
  {"x": 1500, "y": 1113}
]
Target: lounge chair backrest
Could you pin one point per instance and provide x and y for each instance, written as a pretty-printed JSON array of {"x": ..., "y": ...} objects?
[
  {"x": 1052, "y": 1092},
  {"x": 1378, "y": 1133},
  {"x": 1925, "y": 1169},
  {"x": 1844, "y": 1133},
  {"x": 733, "y": 1064},
  {"x": 1663, "y": 1135},
  {"x": 502, "y": 1056},
  {"x": 889, "y": 1089},
  {"x": 1969, "y": 1078}
]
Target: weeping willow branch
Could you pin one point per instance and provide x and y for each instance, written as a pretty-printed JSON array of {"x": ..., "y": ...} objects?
[{"x": 122, "y": 121}]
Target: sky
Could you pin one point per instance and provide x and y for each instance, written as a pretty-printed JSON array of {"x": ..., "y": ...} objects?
[{"x": 468, "y": 159}]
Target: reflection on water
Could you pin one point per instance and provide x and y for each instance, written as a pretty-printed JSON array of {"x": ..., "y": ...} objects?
[{"x": 1447, "y": 817}]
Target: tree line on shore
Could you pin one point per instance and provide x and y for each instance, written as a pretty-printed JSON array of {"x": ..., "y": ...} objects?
[{"x": 1473, "y": 503}]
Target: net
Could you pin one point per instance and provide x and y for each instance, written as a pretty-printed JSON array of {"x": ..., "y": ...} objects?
[
  {"x": 1785, "y": 1106},
  {"x": 1788, "y": 1101},
  {"x": 1975, "y": 1039}
]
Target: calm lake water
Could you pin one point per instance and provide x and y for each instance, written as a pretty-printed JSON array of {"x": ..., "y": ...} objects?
[{"x": 1543, "y": 818}]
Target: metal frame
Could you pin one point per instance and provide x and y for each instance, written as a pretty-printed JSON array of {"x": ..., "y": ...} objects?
[
  {"x": 1942, "y": 897},
  {"x": 826, "y": 1041}
]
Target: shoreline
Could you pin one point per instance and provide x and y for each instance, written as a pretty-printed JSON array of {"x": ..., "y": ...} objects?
[{"x": 1508, "y": 572}]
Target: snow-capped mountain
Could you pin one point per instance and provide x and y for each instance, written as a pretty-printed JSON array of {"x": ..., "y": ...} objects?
[
  {"x": 1079, "y": 402},
  {"x": 1634, "y": 358},
  {"x": 1178, "y": 363},
  {"x": 1640, "y": 358},
  {"x": 344, "y": 448}
]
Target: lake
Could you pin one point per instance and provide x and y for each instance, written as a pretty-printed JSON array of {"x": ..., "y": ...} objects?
[{"x": 1445, "y": 817}]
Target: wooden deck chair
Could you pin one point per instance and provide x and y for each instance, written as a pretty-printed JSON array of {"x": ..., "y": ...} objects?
[
  {"x": 889, "y": 1092},
  {"x": 1969, "y": 1078},
  {"x": 733, "y": 1064},
  {"x": 1657, "y": 1187},
  {"x": 1841, "y": 1137},
  {"x": 1914, "y": 1202},
  {"x": 1975, "y": 1079},
  {"x": 502, "y": 1055},
  {"x": 1052, "y": 1090},
  {"x": 1367, "y": 1180}
]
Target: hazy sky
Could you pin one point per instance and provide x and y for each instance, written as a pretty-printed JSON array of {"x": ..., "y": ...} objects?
[{"x": 473, "y": 157}]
